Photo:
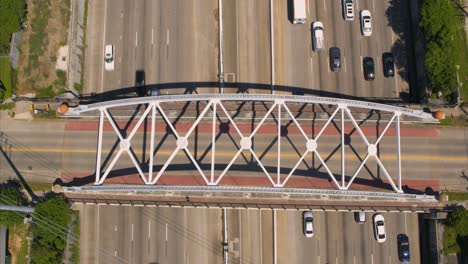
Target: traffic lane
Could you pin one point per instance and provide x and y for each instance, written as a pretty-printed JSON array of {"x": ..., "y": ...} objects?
[
  {"x": 372, "y": 44},
  {"x": 233, "y": 217},
  {"x": 252, "y": 236},
  {"x": 292, "y": 49},
  {"x": 88, "y": 233},
  {"x": 47, "y": 161},
  {"x": 205, "y": 240},
  {"x": 206, "y": 39},
  {"x": 253, "y": 42},
  {"x": 117, "y": 19},
  {"x": 184, "y": 47},
  {"x": 231, "y": 52},
  {"x": 94, "y": 62},
  {"x": 291, "y": 250}
]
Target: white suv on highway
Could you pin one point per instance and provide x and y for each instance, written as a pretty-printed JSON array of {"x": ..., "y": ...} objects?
[
  {"x": 109, "y": 59},
  {"x": 317, "y": 36},
  {"x": 366, "y": 23}
]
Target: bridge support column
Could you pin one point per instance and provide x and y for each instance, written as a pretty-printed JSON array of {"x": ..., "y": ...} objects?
[{"x": 99, "y": 148}]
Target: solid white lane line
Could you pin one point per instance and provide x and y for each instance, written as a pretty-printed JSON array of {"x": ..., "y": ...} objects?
[
  {"x": 98, "y": 220},
  {"x": 272, "y": 46},
  {"x": 344, "y": 62},
  {"x": 166, "y": 232},
  {"x": 360, "y": 62},
  {"x": 167, "y": 37},
  {"x": 405, "y": 223},
  {"x": 149, "y": 228},
  {"x": 275, "y": 244}
]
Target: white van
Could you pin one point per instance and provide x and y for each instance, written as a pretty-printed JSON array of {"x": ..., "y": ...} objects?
[{"x": 317, "y": 36}]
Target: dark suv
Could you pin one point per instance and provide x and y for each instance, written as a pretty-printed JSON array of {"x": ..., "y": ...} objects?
[
  {"x": 335, "y": 59},
  {"x": 388, "y": 67},
  {"x": 368, "y": 65},
  {"x": 403, "y": 248}
]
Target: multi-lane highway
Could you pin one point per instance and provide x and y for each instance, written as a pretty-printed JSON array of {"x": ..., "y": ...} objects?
[
  {"x": 171, "y": 41},
  {"x": 178, "y": 41},
  {"x": 113, "y": 234}
]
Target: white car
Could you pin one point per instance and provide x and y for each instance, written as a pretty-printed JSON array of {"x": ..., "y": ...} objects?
[
  {"x": 317, "y": 35},
  {"x": 109, "y": 60},
  {"x": 379, "y": 228},
  {"x": 308, "y": 223},
  {"x": 366, "y": 23},
  {"x": 348, "y": 9}
]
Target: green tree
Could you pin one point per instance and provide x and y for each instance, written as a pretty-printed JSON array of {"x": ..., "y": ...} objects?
[
  {"x": 42, "y": 253},
  {"x": 438, "y": 19},
  {"x": 456, "y": 232},
  {"x": 12, "y": 13},
  {"x": 440, "y": 66},
  {"x": 53, "y": 211},
  {"x": 458, "y": 219},
  {"x": 10, "y": 194}
]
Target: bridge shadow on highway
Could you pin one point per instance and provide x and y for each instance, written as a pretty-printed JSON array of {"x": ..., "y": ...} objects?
[
  {"x": 227, "y": 87},
  {"x": 250, "y": 166}
]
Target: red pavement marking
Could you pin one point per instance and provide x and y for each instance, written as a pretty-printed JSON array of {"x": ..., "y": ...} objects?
[
  {"x": 246, "y": 129},
  {"x": 260, "y": 181}
]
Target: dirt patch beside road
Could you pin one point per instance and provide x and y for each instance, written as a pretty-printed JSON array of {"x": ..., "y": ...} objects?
[{"x": 48, "y": 30}]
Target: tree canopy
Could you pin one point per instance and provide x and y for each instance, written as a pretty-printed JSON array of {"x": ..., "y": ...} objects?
[
  {"x": 10, "y": 194},
  {"x": 57, "y": 212},
  {"x": 12, "y": 13},
  {"x": 439, "y": 24}
]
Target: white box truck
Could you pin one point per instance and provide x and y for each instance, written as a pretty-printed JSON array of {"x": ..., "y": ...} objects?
[{"x": 299, "y": 11}]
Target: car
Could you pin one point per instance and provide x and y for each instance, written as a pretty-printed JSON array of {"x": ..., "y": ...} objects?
[
  {"x": 366, "y": 23},
  {"x": 360, "y": 217},
  {"x": 317, "y": 36},
  {"x": 368, "y": 65},
  {"x": 388, "y": 65},
  {"x": 308, "y": 223},
  {"x": 335, "y": 59},
  {"x": 140, "y": 87},
  {"x": 403, "y": 248},
  {"x": 348, "y": 9},
  {"x": 109, "y": 55},
  {"x": 379, "y": 228}
]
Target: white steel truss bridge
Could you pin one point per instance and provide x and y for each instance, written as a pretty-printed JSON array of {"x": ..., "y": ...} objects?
[{"x": 215, "y": 104}]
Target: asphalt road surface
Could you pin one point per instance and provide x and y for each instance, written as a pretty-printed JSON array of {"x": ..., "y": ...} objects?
[
  {"x": 178, "y": 41},
  {"x": 52, "y": 151},
  {"x": 117, "y": 234},
  {"x": 171, "y": 41}
]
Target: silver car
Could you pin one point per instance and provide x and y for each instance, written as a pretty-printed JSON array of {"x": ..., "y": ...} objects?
[
  {"x": 379, "y": 228},
  {"x": 308, "y": 223}
]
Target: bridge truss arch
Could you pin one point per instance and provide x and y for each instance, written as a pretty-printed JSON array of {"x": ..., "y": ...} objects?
[{"x": 214, "y": 105}]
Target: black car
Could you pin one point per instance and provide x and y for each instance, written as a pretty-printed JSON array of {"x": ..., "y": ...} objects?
[
  {"x": 140, "y": 87},
  {"x": 403, "y": 248},
  {"x": 335, "y": 59},
  {"x": 388, "y": 67},
  {"x": 368, "y": 65}
]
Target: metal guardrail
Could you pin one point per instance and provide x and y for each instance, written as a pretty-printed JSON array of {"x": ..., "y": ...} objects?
[
  {"x": 254, "y": 97},
  {"x": 234, "y": 189}
]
